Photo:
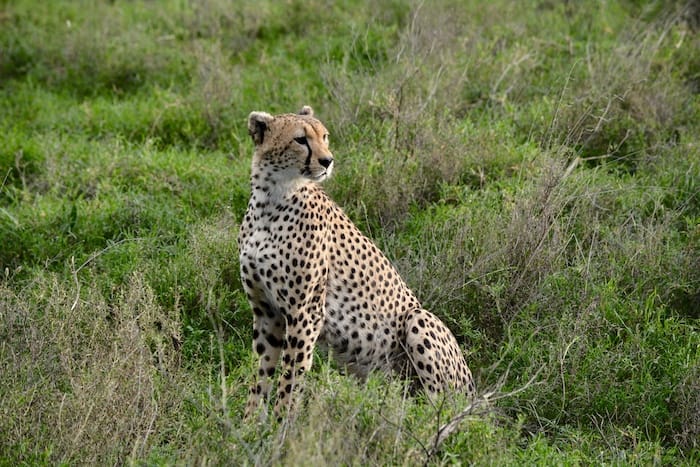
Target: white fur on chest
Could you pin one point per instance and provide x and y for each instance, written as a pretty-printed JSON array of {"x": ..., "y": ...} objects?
[
  {"x": 252, "y": 252},
  {"x": 255, "y": 243}
]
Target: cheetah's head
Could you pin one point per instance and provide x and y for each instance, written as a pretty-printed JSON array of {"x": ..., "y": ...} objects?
[{"x": 291, "y": 146}]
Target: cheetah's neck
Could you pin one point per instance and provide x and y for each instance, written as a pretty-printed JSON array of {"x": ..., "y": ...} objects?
[{"x": 266, "y": 191}]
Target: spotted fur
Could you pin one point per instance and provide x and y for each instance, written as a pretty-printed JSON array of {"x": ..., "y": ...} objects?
[{"x": 312, "y": 277}]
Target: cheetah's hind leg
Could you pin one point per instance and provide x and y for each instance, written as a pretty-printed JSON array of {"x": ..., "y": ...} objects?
[{"x": 435, "y": 354}]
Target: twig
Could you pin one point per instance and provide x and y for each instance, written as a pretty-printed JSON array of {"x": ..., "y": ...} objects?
[
  {"x": 88, "y": 261},
  {"x": 514, "y": 64},
  {"x": 216, "y": 324},
  {"x": 563, "y": 379},
  {"x": 484, "y": 401},
  {"x": 409, "y": 432}
]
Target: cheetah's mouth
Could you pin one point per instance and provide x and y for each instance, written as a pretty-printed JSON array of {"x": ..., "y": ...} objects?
[
  {"x": 320, "y": 177},
  {"x": 325, "y": 174},
  {"x": 317, "y": 177}
]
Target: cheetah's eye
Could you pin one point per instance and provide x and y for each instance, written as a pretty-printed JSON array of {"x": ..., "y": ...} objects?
[
  {"x": 325, "y": 138},
  {"x": 301, "y": 140}
]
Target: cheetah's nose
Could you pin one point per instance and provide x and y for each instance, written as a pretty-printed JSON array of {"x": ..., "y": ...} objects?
[{"x": 326, "y": 161}]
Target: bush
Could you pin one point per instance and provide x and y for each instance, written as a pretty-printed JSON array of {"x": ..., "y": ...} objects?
[{"x": 531, "y": 168}]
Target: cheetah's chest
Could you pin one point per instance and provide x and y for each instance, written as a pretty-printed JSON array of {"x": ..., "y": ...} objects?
[{"x": 282, "y": 253}]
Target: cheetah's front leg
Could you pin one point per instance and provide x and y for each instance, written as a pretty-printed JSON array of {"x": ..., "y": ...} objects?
[
  {"x": 268, "y": 337},
  {"x": 303, "y": 329}
]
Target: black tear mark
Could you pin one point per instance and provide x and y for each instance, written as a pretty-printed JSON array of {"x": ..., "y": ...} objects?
[{"x": 307, "y": 163}]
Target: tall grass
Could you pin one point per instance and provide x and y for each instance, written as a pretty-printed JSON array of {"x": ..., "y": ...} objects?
[{"x": 532, "y": 169}]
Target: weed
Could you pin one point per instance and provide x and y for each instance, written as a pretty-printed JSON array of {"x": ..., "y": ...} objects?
[{"x": 531, "y": 168}]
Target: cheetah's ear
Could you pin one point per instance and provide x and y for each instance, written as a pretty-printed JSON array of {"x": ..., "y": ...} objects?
[
  {"x": 258, "y": 124},
  {"x": 307, "y": 110}
]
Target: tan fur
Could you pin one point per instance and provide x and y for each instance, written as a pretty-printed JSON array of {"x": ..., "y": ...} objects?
[{"x": 312, "y": 277}]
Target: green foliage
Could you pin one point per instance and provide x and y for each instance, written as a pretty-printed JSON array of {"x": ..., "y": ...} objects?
[{"x": 532, "y": 168}]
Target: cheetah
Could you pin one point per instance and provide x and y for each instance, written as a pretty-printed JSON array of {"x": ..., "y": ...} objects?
[{"x": 312, "y": 277}]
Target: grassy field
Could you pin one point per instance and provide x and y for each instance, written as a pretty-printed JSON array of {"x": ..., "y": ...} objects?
[{"x": 531, "y": 167}]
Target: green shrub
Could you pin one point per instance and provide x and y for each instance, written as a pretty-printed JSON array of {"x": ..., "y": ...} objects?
[{"x": 530, "y": 167}]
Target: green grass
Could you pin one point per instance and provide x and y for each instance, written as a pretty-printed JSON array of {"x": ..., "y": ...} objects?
[{"x": 532, "y": 169}]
